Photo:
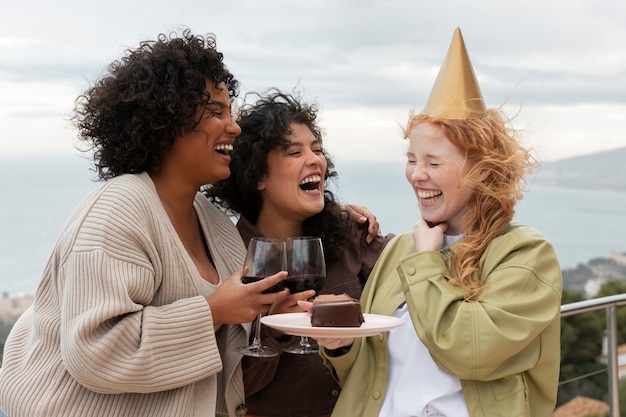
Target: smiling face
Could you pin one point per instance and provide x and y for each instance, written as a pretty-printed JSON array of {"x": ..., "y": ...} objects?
[
  {"x": 435, "y": 168},
  {"x": 293, "y": 188},
  {"x": 203, "y": 153}
]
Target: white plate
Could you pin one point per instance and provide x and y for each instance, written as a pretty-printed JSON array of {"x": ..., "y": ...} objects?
[{"x": 299, "y": 324}]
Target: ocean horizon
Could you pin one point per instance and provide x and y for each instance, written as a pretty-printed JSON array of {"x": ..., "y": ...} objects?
[{"x": 40, "y": 192}]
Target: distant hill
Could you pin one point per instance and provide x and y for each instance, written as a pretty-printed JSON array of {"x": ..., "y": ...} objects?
[{"x": 598, "y": 171}]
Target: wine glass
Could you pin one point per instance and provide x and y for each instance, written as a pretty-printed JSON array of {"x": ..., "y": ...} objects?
[
  {"x": 265, "y": 257},
  {"x": 307, "y": 271}
]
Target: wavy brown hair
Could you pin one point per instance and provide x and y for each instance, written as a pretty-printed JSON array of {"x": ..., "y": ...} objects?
[
  {"x": 490, "y": 145},
  {"x": 265, "y": 125},
  {"x": 131, "y": 116}
]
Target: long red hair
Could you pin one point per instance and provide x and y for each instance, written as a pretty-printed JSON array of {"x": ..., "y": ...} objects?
[{"x": 490, "y": 145}]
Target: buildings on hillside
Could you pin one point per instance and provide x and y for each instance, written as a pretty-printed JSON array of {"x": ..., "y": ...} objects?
[
  {"x": 11, "y": 307},
  {"x": 582, "y": 407}
]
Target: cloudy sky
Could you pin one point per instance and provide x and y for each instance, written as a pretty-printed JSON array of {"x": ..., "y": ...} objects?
[{"x": 559, "y": 66}]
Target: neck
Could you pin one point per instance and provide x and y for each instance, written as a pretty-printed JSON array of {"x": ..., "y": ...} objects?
[
  {"x": 277, "y": 227},
  {"x": 176, "y": 198}
]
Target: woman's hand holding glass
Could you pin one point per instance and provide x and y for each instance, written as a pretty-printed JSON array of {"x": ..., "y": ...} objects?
[
  {"x": 265, "y": 258},
  {"x": 234, "y": 302}
]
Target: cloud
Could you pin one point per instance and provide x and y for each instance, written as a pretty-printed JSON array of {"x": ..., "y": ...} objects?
[{"x": 364, "y": 56}]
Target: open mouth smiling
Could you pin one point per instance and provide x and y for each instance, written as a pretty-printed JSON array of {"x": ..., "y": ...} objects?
[
  {"x": 311, "y": 183},
  {"x": 224, "y": 149},
  {"x": 428, "y": 195}
]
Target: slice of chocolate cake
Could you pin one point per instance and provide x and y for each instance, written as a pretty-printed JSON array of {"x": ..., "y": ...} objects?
[{"x": 336, "y": 310}]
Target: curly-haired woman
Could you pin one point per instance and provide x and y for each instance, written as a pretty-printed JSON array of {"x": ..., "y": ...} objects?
[
  {"x": 139, "y": 307},
  {"x": 278, "y": 188}
]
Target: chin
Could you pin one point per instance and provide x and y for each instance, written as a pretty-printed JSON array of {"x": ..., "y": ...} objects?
[
  {"x": 222, "y": 175},
  {"x": 315, "y": 210}
]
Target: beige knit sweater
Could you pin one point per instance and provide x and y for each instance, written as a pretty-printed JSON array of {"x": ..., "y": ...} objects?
[{"x": 119, "y": 325}]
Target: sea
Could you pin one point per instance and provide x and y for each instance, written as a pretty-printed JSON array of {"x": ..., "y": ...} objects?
[{"x": 38, "y": 194}]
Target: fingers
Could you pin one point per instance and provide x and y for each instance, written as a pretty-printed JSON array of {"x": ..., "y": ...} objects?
[
  {"x": 443, "y": 226},
  {"x": 305, "y": 305},
  {"x": 267, "y": 291},
  {"x": 362, "y": 215},
  {"x": 291, "y": 303},
  {"x": 428, "y": 236},
  {"x": 334, "y": 343},
  {"x": 356, "y": 213},
  {"x": 267, "y": 299},
  {"x": 373, "y": 231},
  {"x": 273, "y": 283},
  {"x": 236, "y": 302},
  {"x": 303, "y": 296}
]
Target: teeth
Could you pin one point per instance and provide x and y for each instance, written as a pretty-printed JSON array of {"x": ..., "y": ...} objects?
[
  {"x": 224, "y": 148},
  {"x": 428, "y": 194},
  {"x": 314, "y": 178}
]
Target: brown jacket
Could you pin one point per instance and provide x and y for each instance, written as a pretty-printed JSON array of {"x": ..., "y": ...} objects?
[{"x": 300, "y": 385}]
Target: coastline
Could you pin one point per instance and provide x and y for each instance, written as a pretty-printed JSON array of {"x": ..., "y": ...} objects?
[{"x": 41, "y": 192}]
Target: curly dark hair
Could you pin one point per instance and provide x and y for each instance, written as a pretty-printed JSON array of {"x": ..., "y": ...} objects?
[
  {"x": 264, "y": 127},
  {"x": 131, "y": 116}
]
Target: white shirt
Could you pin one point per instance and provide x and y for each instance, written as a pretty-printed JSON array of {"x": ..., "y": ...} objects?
[{"x": 416, "y": 386}]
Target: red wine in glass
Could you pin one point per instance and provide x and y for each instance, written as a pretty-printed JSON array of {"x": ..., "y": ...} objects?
[
  {"x": 265, "y": 257},
  {"x": 306, "y": 266},
  {"x": 274, "y": 288},
  {"x": 299, "y": 283}
]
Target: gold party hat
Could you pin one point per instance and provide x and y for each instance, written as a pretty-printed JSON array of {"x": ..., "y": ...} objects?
[{"x": 456, "y": 93}]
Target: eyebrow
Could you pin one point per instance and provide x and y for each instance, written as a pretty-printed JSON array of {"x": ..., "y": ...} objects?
[
  {"x": 289, "y": 143},
  {"x": 297, "y": 143},
  {"x": 427, "y": 156},
  {"x": 218, "y": 103}
]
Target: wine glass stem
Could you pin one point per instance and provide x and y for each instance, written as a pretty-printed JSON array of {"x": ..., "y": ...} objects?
[
  {"x": 256, "y": 342},
  {"x": 304, "y": 343}
]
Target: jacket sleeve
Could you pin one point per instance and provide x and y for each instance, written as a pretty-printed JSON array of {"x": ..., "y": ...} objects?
[
  {"x": 497, "y": 334},
  {"x": 383, "y": 286},
  {"x": 340, "y": 364}
]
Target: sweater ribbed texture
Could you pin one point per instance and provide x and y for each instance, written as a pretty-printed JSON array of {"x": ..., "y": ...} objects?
[{"x": 120, "y": 325}]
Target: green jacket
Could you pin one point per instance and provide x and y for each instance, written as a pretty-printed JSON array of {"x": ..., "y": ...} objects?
[{"x": 504, "y": 347}]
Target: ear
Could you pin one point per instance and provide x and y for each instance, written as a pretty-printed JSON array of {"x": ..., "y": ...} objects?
[
  {"x": 483, "y": 174},
  {"x": 261, "y": 184}
]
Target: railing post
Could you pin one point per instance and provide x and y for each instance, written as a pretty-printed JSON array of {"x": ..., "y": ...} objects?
[
  {"x": 612, "y": 360},
  {"x": 610, "y": 304}
]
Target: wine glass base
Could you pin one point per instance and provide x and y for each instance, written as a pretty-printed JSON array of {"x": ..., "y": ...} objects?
[
  {"x": 301, "y": 351},
  {"x": 257, "y": 351}
]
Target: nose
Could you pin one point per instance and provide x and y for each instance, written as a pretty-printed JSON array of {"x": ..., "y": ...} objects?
[
  {"x": 313, "y": 158},
  {"x": 419, "y": 173},
  {"x": 233, "y": 128}
]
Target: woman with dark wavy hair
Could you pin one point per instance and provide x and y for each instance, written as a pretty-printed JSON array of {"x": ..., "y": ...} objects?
[
  {"x": 140, "y": 306},
  {"x": 277, "y": 186}
]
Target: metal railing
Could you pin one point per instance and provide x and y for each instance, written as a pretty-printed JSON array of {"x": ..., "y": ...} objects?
[{"x": 610, "y": 303}]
